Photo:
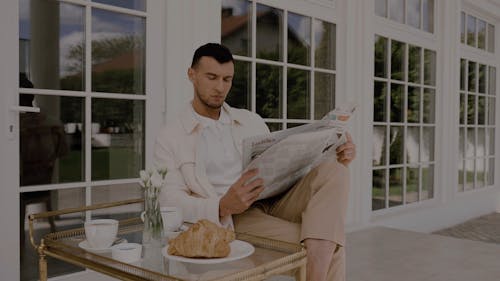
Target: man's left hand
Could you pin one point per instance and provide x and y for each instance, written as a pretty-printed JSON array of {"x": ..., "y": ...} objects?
[{"x": 346, "y": 152}]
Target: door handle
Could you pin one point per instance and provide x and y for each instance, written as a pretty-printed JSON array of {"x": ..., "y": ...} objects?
[{"x": 25, "y": 109}]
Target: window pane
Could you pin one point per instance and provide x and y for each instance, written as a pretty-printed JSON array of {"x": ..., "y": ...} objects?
[
  {"x": 412, "y": 178},
  {"x": 428, "y": 15},
  {"x": 481, "y": 110},
  {"x": 269, "y": 33},
  {"x": 139, "y": 5},
  {"x": 397, "y": 103},
  {"x": 462, "y": 109},
  {"x": 471, "y": 109},
  {"x": 463, "y": 65},
  {"x": 491, "y": 38},
  {"x": 481, "y": 142},
  {"x": 269, "y": 91},
  {"x": 396, "y": 145},
  {"x": 414, "y": 63},
  {"x": 381, "y": 60},
  {"x": 51, "y": 44},
  {"x": 380, "y": 102},
  {"x": 379, "y": 146},
  {"x": 460, "y": 175},
  {"x": 298, "y": 92},
  {"x": 397, "y": 60},
  {"x": 378, "y": 190},
  {"x": 471, "y": 31},
  {"x": 427, "y": 151},
  {"x": 491, "y": 140},
  {"x": 299, "y": 39},
  {"x": 429, "y": 111},
  {"x": 482, "y": 78},
  {"x": 491, "y": 111},
  {"x": 111, "y": 193},
  {"x": 413, "y": 145},
  {"x": 395, "y": 187},
  {"x": 324, "y": 94},
  {"x": 118, "y": 52},
  {"x": 397, "y": 10},
  {"x": 427, "y": 182},
  {"x": 492, "y": 87},
  {"x": 117, "y": 138},
  {"x": 462, "y": 27},
  {"x": 469, "y": 174},
  {"x": 236, "y": 27},
  {"x": 240, "y": 95},
  {"x": 51, "y": 142},
  {"x": 461, "y": 139},
  {"x": 413, "y": 108},
  {"x": 324, "y": 36},
  {"x": 481, "y": 34},
  {"x": 472, "y": 76},
  {"x": 413, "y": 13},
  {"x": 274, "y": 126},
  {"x": 381, "y": 8},
  {"x": 430, "y": 67},
  {"x": 491, "y": 171},
  {"x": 471, "y": 143}
]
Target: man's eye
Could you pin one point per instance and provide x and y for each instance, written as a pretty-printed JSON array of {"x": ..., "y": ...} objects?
[{"x": 211, "y": 77}]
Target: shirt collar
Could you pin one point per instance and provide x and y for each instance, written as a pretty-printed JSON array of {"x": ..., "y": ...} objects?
[{"x": 190, "y": 121}]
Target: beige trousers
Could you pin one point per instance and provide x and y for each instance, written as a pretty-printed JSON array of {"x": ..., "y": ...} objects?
[{"x": 315, "y": 207}]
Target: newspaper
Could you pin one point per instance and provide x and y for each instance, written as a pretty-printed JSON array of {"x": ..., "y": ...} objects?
[{"x": 285, "y": 156}]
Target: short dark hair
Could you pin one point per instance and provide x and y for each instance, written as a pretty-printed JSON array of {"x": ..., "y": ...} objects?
[{"x": 215, "y": 50}]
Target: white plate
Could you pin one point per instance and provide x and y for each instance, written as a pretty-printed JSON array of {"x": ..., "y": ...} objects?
[
  {"x": 239, "y": 249},
  {"x": 86, "y": 246}
]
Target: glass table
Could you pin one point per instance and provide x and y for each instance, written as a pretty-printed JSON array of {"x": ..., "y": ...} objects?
[{"x": 271, "y": 257}]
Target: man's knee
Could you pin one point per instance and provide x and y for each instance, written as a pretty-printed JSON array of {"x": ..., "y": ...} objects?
[{"x": 332, "y": 173}]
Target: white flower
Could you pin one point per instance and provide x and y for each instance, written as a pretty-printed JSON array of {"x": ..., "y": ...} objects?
[
  {"x": 156, "y": 179},
  {"x": 144, "y": 178}
]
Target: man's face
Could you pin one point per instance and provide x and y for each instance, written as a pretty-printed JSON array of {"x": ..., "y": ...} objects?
[{"x": 211, "y": 81}]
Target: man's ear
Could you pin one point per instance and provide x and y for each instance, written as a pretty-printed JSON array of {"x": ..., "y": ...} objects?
[{"x": 191, "y": 74}]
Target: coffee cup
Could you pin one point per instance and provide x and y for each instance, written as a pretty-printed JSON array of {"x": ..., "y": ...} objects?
[
  {"x": 126, "y": 252},
  {"x": 101, "y": 233},
  {"x": 172, "y": 218}
]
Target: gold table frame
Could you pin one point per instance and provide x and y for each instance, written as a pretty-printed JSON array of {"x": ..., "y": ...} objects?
[{"x": 50, "y": 245}]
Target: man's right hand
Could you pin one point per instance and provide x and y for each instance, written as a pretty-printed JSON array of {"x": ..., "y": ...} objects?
[{"x": 241, "y": 194}]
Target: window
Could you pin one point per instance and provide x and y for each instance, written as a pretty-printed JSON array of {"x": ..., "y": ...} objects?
[
  {"x": 477, "y": 33},
  {"x": 83, "y": 64},
  {"x": 404, "y": 123},
  {"x": 415, "y": 13},
  {"x": 476, "y": 149},
  {"x": 286, "y": 71}
]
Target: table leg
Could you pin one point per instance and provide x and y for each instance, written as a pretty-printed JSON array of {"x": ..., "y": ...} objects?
[
  {"x": 42, "y": 266},
  {"x": 301, "y": 274}
]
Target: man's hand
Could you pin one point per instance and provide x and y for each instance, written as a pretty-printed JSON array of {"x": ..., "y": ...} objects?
[
  {"x": 241, "y": 194},
  {"x": 346, "y": 152}
]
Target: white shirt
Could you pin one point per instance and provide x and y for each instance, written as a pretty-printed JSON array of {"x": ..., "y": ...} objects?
[{"x": 222, "y": 159}]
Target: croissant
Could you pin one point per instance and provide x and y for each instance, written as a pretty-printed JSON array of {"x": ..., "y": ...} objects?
[{"x": 203, "y": 239}]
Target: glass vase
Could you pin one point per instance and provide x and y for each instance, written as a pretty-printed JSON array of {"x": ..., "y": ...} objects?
[{"x": 153, "y": 225}]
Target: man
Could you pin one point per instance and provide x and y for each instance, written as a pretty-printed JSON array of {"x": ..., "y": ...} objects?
[{"x": 202, "y": 152}]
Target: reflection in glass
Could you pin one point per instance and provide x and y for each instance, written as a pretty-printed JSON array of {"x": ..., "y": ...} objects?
[
  {"x": 118, "y": 52},
  {"x": 471, "y": 143},
  {"x": 397, "y": 60},
  {"x": 291, "y": 125},
  {"x": 139, "y": 5},
  {"x": 462, "y": 27},
  {"x": 269, "y": 33},
  {"x": 274, "y": 126},
  {"x": 240, "y": 94},
  {"x": 481, "y": 142},
  {"x": 491, "y": 38},
  {"x": 51, "y": 44},
  {"x": 396, "y": 145},
  {"x": 462, "y": 109},
  {"x": 492, "y": 81},
  {"x": 491, "y": 171},
  {"x": 380, "y": 56},
  {"x": 324, "y": 94},
  {"x": 412, "y": 178},
  {"x": 378, "y": 190},
  {"x": 471, "y": 31},
  {"x": 236, "y": 28},
  {"x": 395, "y": 187},
  {"x": 269, "y": 96},
  {"x": 427, "y": 182},
  {"x": 481, "y": 34},
  {"x": 471, "y": 109},
  {"x": 397, "y": 103},
  {"x": 430, "y": 67},
  {"x": 111, "y": 193},
  {"x": 427, "y": 151},
  {"x": 428, "y": 15},
  {"x": 413, "y": 108},
  {"x": 51, "y": 142},
  {"x": 472, "y": 76},
  {"x": 324, "y": 38},
  {"x": 461, "y": 138},
  {"x": 482, "y": 78},
  {"x": 491, "y": 111},
  {"x": 397, "y": 10},
  {"x": 49, "y": 200},
  {"x": 469, "y": 174},
  {"x": 381, "y": 8},
  {"x": 414, "y": 64},
  {"x": 117, "y": 138},
  {"x": 299, "y": 39},
  {"x": 481, "y": 110},
  {"x": 298, "y": 89},
  {"x": 429, "y": 112},
  {"x": 463, "y": 64},
  {"x": 491, "y": 140},
  {"x": 379, "y": 146},
  {"x": 413, "y": 145},
  {"x": 460, "y": 175},
  {"x": 413, "y": 13},
  {"x": 380, "y": 101}
]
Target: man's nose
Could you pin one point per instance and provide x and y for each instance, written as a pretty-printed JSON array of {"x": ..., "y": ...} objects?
[{"x": 220, "y": 85}]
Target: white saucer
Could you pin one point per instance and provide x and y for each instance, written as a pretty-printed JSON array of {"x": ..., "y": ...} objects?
[{"x": 86, "y": 246}]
